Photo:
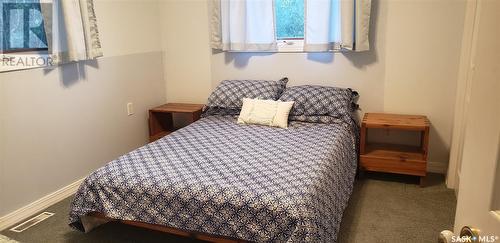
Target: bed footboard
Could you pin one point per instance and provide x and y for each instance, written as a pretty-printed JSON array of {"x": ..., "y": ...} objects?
[{"x": 100, "y": 218}]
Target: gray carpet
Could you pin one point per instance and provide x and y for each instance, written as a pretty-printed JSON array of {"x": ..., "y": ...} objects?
[
  {"x": 5, "y": 239},
  {"x": 383, "y": 208}
]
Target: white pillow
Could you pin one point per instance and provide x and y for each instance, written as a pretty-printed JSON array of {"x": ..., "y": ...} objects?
[{"x": 265, "y": 112}]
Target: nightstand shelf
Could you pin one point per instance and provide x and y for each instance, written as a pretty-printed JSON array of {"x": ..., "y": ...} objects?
[
  {"x": 161, "y": 118},
  {"x": 396, "y": 151},
  {"x": 395, "y": 158}
]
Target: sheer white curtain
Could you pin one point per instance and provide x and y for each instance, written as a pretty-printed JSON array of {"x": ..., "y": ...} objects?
[
  {"x": 243, "y": 25},
  {"x": 332, "y": 25},
  {"x": 71, "y": 29}
]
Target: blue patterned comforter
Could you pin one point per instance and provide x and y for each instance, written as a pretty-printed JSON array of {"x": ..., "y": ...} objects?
[{"x": 250, "y": 182}]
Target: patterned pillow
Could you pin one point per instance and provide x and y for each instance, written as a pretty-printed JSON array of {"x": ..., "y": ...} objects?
[
  {"x": 320, "y": 103},
  {"x": 227, "y": 98}
]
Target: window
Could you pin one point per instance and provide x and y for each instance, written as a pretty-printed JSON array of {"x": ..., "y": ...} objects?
[
  {"x": 289, "y": 19},
  {"x": 22, "y": 26},
  {"x": 289, "y": 25}
]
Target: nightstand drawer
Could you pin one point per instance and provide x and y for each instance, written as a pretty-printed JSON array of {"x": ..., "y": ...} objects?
[{"x": 392, "y": 165}]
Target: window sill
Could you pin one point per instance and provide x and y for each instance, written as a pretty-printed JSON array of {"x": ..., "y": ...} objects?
[
  {"x": 24, "y": 50},
  {"x": 291, "y": 45}
]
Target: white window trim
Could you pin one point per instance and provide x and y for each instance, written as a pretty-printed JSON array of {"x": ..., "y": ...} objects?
[{"x": 291, "y": 45}]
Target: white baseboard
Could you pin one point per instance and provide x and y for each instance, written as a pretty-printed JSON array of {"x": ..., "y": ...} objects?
[
  {"x": 436, "y": 167},
  {"x": 39, "y": 205}
]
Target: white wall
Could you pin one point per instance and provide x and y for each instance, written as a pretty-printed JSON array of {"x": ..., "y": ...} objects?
[
  {"x": 412, "y": 67},
  {"x": 56, "y": 126},
  {"x": 480, "y": 160}
]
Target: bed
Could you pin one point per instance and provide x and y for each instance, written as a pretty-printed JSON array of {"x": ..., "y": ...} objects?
[
  {"x": 239, "y": 183},
  {"x": 249, "y": 182}
]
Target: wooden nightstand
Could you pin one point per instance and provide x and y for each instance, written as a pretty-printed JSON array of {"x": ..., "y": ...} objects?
[
  {"x": 394, "y": 158},
  {"x": 161, "y": 120}
]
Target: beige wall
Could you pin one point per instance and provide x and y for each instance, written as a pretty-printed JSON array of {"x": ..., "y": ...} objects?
[
  {"x": 186, "y": 53},
  {"x": 422, "y": 64},
  {"x": 412, "y": 67},
  {"x": 58, "y": 125},
  {"x": 128, "y": 26}
]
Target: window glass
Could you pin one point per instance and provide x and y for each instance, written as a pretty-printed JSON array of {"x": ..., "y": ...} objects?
[
  {"x": 289, "y": 19},
  {"x": 22, "y": 25}
]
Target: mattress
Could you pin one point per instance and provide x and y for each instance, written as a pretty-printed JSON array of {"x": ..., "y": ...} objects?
[{"x": 250, "y": 182}]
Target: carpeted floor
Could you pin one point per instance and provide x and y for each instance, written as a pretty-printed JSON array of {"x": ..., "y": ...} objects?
[
  {"x": 5, "y": 239},
  {"x": 383, "y": 208}
]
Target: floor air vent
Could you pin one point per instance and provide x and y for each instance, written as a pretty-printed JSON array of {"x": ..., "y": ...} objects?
[{"x": 30, "y": 222}]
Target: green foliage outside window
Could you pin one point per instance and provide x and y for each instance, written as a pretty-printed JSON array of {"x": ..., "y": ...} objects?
[{"x": 289, "y": 19}]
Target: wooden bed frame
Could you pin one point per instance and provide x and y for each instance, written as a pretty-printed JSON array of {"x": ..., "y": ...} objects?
[{"x": 171, "y": 230}]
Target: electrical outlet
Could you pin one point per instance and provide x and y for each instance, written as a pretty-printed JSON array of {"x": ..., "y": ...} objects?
[{"x": 130, "y": 108}]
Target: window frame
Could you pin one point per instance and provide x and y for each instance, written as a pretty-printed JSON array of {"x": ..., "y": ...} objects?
[
  {"x": 290, "y": 45},
  {"x": 23, "y": 50}
]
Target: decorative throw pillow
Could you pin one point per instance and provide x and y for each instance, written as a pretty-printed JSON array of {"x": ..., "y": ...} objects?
[
  {"x": 226, "y": 99},
  {"x": 265, "y": 112},
  {"x": 316, "y": 103}
]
